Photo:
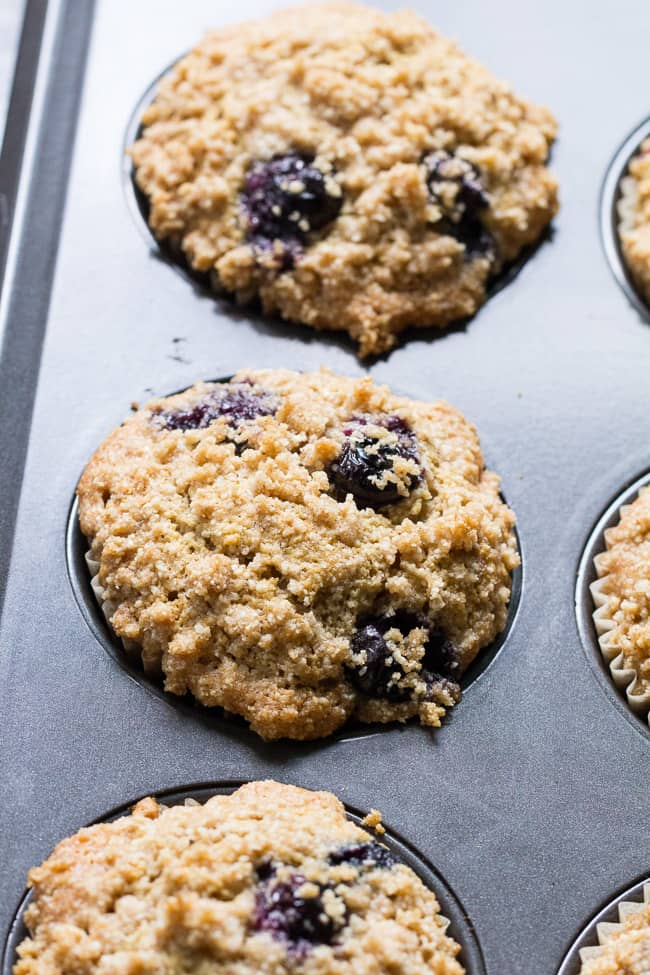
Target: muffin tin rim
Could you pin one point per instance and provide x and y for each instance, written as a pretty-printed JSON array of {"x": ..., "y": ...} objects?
[
  {"x": 460, "y": 921},
  {"x": 609, "y": 198},
  {"x": 585, "y": 607}
]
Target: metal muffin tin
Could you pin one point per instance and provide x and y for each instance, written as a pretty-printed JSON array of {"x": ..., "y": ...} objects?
[{"x": 532, "y": 799}]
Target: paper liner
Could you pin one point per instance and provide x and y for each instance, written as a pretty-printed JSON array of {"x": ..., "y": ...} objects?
[
  {"x": 607, "y": 930},
  {"x": 624, "y": 677},
  {"x": 627, "y": 204},
  {"x": 632, "y": 218},
  {"x": 132, "y": 649}
]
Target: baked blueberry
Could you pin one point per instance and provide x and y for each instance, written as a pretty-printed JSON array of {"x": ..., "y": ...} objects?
[
  {"x": 455, "y": 185},
  {"x": 378, "y": 463},
  {"x": 441, "y": 657},
  {"x": 370, "y": 854},
  {"x": 238, "y": 402},
  {"x": 265, "y": 869},
  {"x": 286, "y": 911},
  {"x": 375, "y": 669},
  {"x": 284, "y": 199}
]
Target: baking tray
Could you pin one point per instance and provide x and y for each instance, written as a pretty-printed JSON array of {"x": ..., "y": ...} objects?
[{"x": 531, "y": 802}]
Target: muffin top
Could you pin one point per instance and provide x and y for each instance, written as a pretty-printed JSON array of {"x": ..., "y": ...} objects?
[
  {"x": 351, "y": 168},
  {"x": 634, "y": 214},
  {"x": 300, "y": 548},
  {"x": 625, "y": 570},
  {"x": 625, "y": 947},
  {"x": 269, "y": 879}
]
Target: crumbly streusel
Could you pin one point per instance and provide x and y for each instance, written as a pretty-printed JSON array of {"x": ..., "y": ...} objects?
[
  {"x": 425, "y": 173},
  {"x": 634, "y": 213},
  {"x": 301, "y": 548},
  {"x": 625, "y": 569},
  {"x": 626, "y": 950},
  {"x": 270, "y": 879}
]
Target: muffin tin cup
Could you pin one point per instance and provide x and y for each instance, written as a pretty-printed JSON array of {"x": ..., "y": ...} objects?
[
  {"x": 459, "y": 925},
  {"x": 611, "y": 195},
  {"x": 591, "y": 607},
  {"x": 83, "y": 572}
]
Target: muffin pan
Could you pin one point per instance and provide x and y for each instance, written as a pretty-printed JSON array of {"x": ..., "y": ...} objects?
[
  {"x": 460, "y": 927},
  {"x": 553, "y": 372}
]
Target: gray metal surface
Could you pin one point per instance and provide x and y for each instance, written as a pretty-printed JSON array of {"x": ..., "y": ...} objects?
[{"x": 532, "y": 800}]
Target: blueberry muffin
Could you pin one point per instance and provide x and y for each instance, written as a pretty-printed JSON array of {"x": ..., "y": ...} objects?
[
  {"x": 269, "y": 879},
  {"x": 353, "y": 169},
  {"x": 624, "y": 947},
  {"x": 300, "y": 548},
  {"x": 634, "y": 219},
  {"x": 622, "y": 597}
]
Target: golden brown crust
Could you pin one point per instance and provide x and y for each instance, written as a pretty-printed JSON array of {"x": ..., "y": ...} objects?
[
  {"x": 625, "y": 570},
  {"x": 174, "y": 890},
  {"x": 634, "y": 212},
  {"x": 243, "y": 578},
  {"x": 368, "y": 93}
]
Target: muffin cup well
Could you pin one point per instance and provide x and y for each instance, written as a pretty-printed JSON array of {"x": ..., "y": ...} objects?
[
  {"x": 619, "y": 197},
  {"x": 631, "y": 236},
  {"x": 625, "y": 678}
]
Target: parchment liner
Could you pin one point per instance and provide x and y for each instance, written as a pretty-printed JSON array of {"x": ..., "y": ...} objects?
[
  {"x": 606, "y": 930},
  {"x": 108, "y": 609},
  {"x": 626, "y": 211},
  {"x": 624, "y": 677}
]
